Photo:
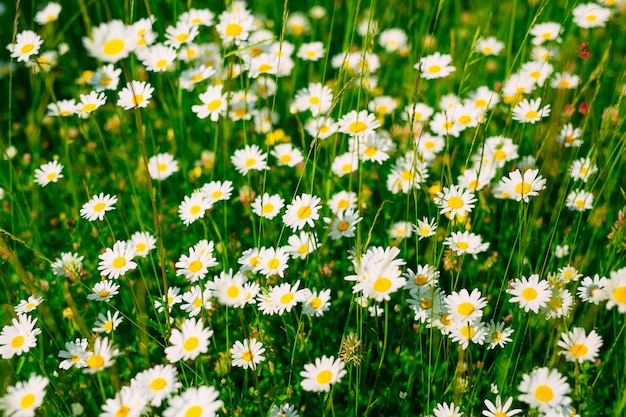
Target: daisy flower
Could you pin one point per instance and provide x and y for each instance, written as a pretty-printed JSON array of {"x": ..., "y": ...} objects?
[
  {"x": 26, "y": 306},
  {"x": 247, "y": 354},
  {"x": 27, "y": 44},
  {"x": 215, "y": 191},
  {"x": 425, "y": 228},
  {"x": 50, "y": 13},
  {"x": 103, "y": 356},
  {"x": 110, "y": 41},
  {"x": 401, "y": 230},
  {"x": 74, "y": 355},
  {"x": 316, "y": 97},
  {"x": 321, "y": 127},
  {"x": 591, "y": 290},
  {"x": 455, "y": 201},
  {"x": 498, "y": 334},
  {"x": 406, "y": 174},
  {"x": 198, "y": 17},
  {"x": 570, "y": 136},
  {"x": 19, "y": 337},
  {"x": 192, "y": 76},
  {"x": 531, "y": 293},
  {"x": 342, "y": 200},
  {"x": 343, "y": 224},
  {"x": 233, "y": 289},
  {"x": 393, "y": 40},
  {"x": 106, "y": 77},
  {"x": 538, "y": 71},
  {"x": 582, "y": 169},
  {"x": 313, "y": 51},
  {"x": 89, "y": 103},
  {"x": 272, "y": 262},
  {"x": 578, "y": 346},
  {"x": 117, "y": 261},
  {"x": 23, "y": 398},
  {"x": 47, "y": 173},
  {"x": 466, "y": 242},
  {"x": 302, "y": 211},
  {"x": 201, "y": 401},
  {"x": 287, "y": 155},
  {"x": 301, "y": 244},
  {"x": 281, "y": 298},
  {"x": 579, "y": 200},
  {"x": 267, "y": 206},
  {"x": 546, "y": 31},
  {"x": 379, "y": 274},
  {"x": 284, "y": 410},
  {"x": 108, "y": 323},
  {"x": 345, "y": 163},
  {"x": 193, "y": 208},
  {"x": 358, "y": 123},
  {"x": 316, "y": 303},
  {"x": 104, "y": 291},
  {"x": 195, "y": 300},
  {"x": 530, "y": 111},
  {"x": 157, "y": 383},
  {"x": 128, "y": 401},
  {"x": 372, "y": 147},
  {"x": 323, "y": 373},
  {"x": 168, "y": 300},
  {"x": 189, "y": 342},
  {"x": 564, "y": 80},
  {"x": 184, "y": 32},
  {"x": 447, "y": 410},
  {"x": 463, "y": 332},
  {"x": 615, "y": 290},
  {"x": 214, "y": 103},
  {"x": 424, "y": 276},
  {"x": 136, "y": 94},
  {"x": 427, "y": 303},
  {"x": 521, "y": 187},
  {"x": 489, "y": 46},
  {"x": 62, "y": 108},
  {"x": 590, "y": 15},
  {"x": 142, "y": 243},
  {"x": 249, "y": 158},
  {"x": 464, "y": 306},
  {"x": 97, "y": 206},
  {"x": 298, "y": 24},
  {"x": 142, "y": 33},
  {"x": 435, "y": 66},
  {"x": 545, "y": 389},
  {"x": 195, "y": 265},
  {"x": 499, "y": 409}
]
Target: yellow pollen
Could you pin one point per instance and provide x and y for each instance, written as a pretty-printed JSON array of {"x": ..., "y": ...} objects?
[
  {"x": 564, "y": 84},
  {"x": 462, "y": 245},
  {"x": 382, "y": 284},
  {"x": 496, "y": 336},
  {"x": 316, "y": 303},
  {"x": 346, "y": 168},
  {"x": 267, "y": 208},
  {"x": 75, "y": 359},
  {"x": 311, "y": 54},
  {"x": 314, "y": 100},
  {"x": 99, "y": 207},
  {"x": 465, "y": 119},
  {"x": 455, "y": 202},
  {"x": 247, "y": 356},
  {"x": 95, "y": 361},
  {"x": 304, "y": 212},
  {"x": 196, "y": 78},
  {"x": 468, "y": 331},
  {"x": 579, "y": 203},
  {"x": 286, "y": 298},
  {"x": 371, "y": 151},
  {"x": 531, "y": 114},
  {"x": 523, "y": 188},
  {"x": 214, "y": 105},
  {"x": 420, "y": 280},
  {"x": 27, "y": 401},
  {"x": 535, "y": 74},
  {"x": 119, "y": 262},
  {"x": 619, "y": 294},
  {"x": 161, "y": 167},
  {"x": 89, "y": 107},
  {"x": 343, "y": 204},
  {"x": 499, "y": 155},
  {"x": 51, "y": 176},
  {"x": 195, "y": 266},
  {"x": 303, "y": 250},
  {"x": 264, "y": 68},
  {"x": 273, "y": 263},
  {"x": 17, "y": 342},
  {"x": 546, "y": 35},
  {"x": 407, "y": 175},
  {"x": 433, "y": 69},
  {"x": 161, "y": 63},
  {"x": 108, "y": 326},
  {"x": 113, "y": 47},
  {"x": 137, "y": 99},
  {"x": 197, "y": 302},
  {"x": 465, "y": 309},
  {"x": 194, "y": 210},
  {"x": 487, "y": 49},
  {"x": 448, "y": 125},
  {"x": 529, "y": 294},
  {"x": 343, "y": 225},
  {"x": 324, "y": 377},
  {"x": 104, "y": 293},
  {"x": 217, "y": 194},
  {"x": 591, "y": 18},
  {"x": 182, "y": 37},
  {"x": 426, "y": 303},
  {"x": 544, "y": 393},
  {"x": 191, "y": 343},
  {"x": 193, "y": 411},
  {"x": 250, "y": 162},
  {"x": 158, "y": 383},
  {"x": 27, "y": 48},
  {"x": 285, "y": 159},
  {"x": 232, "y": 291},
  {"x": 480, "y": 103},
  {"x": 357, "y": 127},
  {"x": 233, "y": 30}
]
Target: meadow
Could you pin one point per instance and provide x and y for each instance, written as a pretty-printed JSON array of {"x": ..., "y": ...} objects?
[{"x": 316, "y": 208}]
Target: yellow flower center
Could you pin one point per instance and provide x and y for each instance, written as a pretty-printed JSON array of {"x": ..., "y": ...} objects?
[
  {"x": 182, "y": 37},
  {"x": 371, "y": 151},
  {"x": 499, "y": 155},
  {"x": 194, "y": 210},
  {"x": 108, "y": 326},
  {"x": 529, "y": 294},
  {"x": 95, "y": 361},
  {"x": 324, "y": 377},
  {"x": 197, "y": 302},
  {"x": 286, "y": 298},
  {"x": 579, "y": 350},
  {"x": 455, "y": 202},
  {"x": 433, "y": 69},
  {"x": 264, "y": 67},
  {"x": 250, "y": 162},
  {"x": 465, "y": 309},
  {"x": 487, "y": 49},
  {"x": 462, "y": 245},
  {"x": 564, "y": 83},
  {"x": 480, "y": 103},
  {"x": 535, "y": 74},
  {"x": 496, "y": 336},
  {"x": 420, "y": 280},
  {"x": 51, "y": 176},
  {"x": 465, "y": 119},
  {"x": 382, "y": 284},
  {"x": 407, "y": 175},
  {"x": 591, "y": 18},
  {"x": 27, "y": 401},
  {"x": 214, "y": 105},
  {"x": 523, "y": 188},
  {"x": 119, "y": 262},
  {"x": 195, "y": 266},
  {"x": 426, "y": 303},
  {"x": 273, "y": 263},
  {"x": 158, "y": 383},
  {"x": 234, "y": 29},
  {"x": 104, "y": 293},
  {"x": 468, "y": 331},
  {"x": 113, "y": 47},
  {"x": 232, "y": 291},
  {"x": 343, "y": 225},
  {"x": 17, "y": 342},
  {"x": 310, "y": 54},
  {"x": 89, "y": 107},
  {"x": 191, "y": 343},
  {"x": 544, "y": 393},
  {"x": 137, "y": 99},
  {"x": 193, "y": 411},
  {"x": 304, "y": 212},
  {"x": 161, "y": 63},
  {"x": 197, "y": 77},
  {"x": 531, "y": 114},
  {"x": 619, "y": 295},
  {"x": 27, "y": 48},
  {"x": 303, "y": 250},
  {"x": 357, "y": 127},
  {"x": 247, "y": 356},
  {"x": 316, "y": 303},
  {"x": 285, "y": 159}
]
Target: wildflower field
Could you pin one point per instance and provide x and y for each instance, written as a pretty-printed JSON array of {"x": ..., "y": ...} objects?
[{"x": 313, "y": 208}]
